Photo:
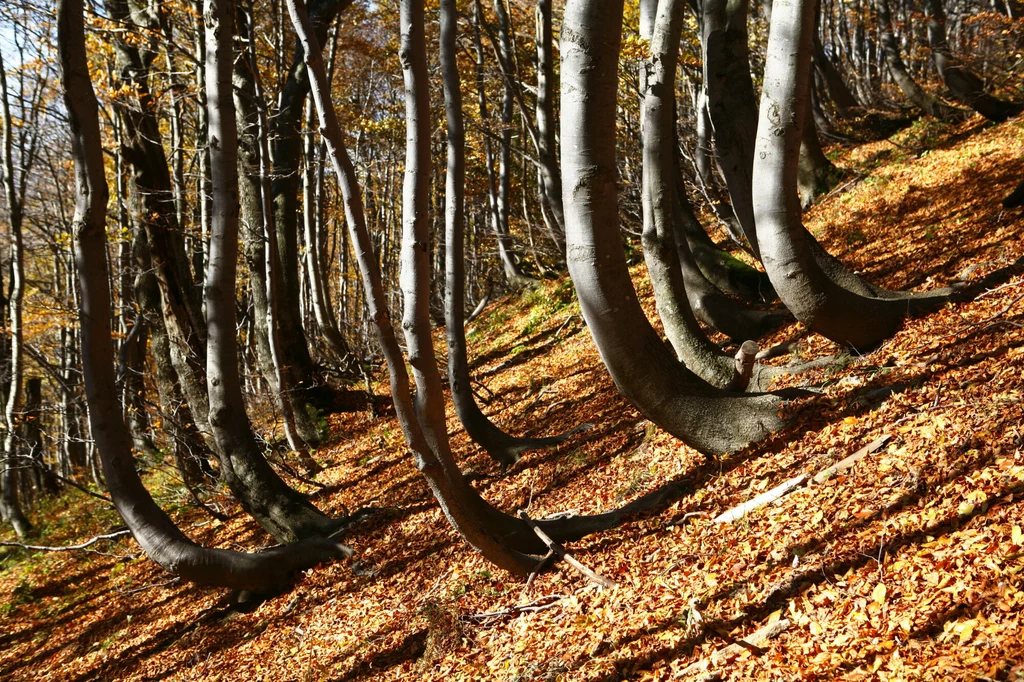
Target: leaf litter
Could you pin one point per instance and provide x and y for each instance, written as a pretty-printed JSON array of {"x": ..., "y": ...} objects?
[{"x": 907, "y": 566}]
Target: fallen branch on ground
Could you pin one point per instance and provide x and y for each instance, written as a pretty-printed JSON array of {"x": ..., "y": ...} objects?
[
  {"x": 538, "y": 604},
  {"x": 560, "y": 552},
  {"x": 761, "y": 500},
  {"x": 780, "y": 491},
  {"x": 753, "y": 642},
  {"x": 69, "y": 548},
  {"x": 844, "y": 464}
]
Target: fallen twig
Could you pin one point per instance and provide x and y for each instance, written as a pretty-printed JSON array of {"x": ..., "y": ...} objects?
[
  {"x": 68, "y": 548},
  {"x": 753, "y": 642},
  {"x": 780, "y": 491},
  {"x": 844, "y": 464},
  {"x": 538, "y": 604},
  {"x": 560, "y": 552},
  {"x": 738, "y": 512}
]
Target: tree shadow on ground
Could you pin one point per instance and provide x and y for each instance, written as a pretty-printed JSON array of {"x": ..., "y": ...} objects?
[{"x": 811, "y": 574}]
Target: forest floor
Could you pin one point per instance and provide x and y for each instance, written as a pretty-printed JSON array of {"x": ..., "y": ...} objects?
[{"x": 907, "y": 566}]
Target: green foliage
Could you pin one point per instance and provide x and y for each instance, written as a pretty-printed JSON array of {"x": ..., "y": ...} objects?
[
  {"x": 545, "y": 301},
  {"x": 924, "y": 134},
  {"x": 856, "y": 237},
  {"x": 316, "y": 415}
]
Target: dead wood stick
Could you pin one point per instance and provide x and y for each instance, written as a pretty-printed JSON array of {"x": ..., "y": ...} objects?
[
  {"x": 538, "y": 604},
  {"x": 68, "y": 548},
  {"x": 780, "y": 491},
  {"x": 560, "y": 552},
  {"x": 754, "y": 642},
  {"x": 536, "y": 571},
  {"x": 844, "y": 464},
  {"x": 761, "y": 500}
]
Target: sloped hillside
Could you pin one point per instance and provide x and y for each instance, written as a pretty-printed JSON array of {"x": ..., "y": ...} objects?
[{"x": 906, "y": 565}]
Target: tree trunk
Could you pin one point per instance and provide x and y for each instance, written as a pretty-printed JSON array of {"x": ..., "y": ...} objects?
[
  {"x": 965, "y": 86},
  {"x": 547, "y": 150},
  {"x": 814, "y": 171},
  {"x": 838, "y": 92},
  {"x": 914, "y": 92},
  {"x": 32, "y": 436},
  {"x": 10, "y": 505},
  {"x": 286, "y": 135},
  {"x": 257, "y": 215},
  {"x": 502, "y": 447},
  {"x": 731, "y": 105},
  {"x": 735, "y": 319},
  {"x": 282, "y": 511},
  {"x": 460, "y": 503},
  {"x": 706, "y": 418},
  {"x": 318, "y": 289},
  {"x": 851, "y": 317},
  {"x": 657, "y": 120},
  {"x": 514, "y": 273},
  {"x": 152, "y": 204},
  {"x": 152, "y": 528}
]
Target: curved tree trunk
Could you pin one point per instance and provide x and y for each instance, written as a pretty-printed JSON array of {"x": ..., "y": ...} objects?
[
  {"x": 733, "y": 318},
  {"x": 257, "y": 215},
  {"x": 271, "y": 264},
  {"x": 710, "y": 420},
  {"x": 461, "y": 504},
  {"x": 845, "y": 312},
  {"x": 152, "y": 203},
  {"x": 286, "y": 128},
  {"x": 965, "y": 85},
  {"x": 151, "y": 527},
  {"x": 914, "y": 92},
  {"x": 282, "y": 511},
  {"x": 660, "y": 204},
  {"x": 502, "y": 447}
]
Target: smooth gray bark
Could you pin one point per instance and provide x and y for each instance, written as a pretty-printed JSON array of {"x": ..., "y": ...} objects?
[
  {"x": 282, "y": 511},
  {"x": 501, "y": 446},
  {"x": 731, "y": 104},
  {"x": 732, "y": 317},
  {"x": 815, "y": 170},
  {"x": 286, "y": 136},
  {"x": 514, "y": 273},
  {"x": 844, "y": 309},
  {"x": 271, "y": 265},
  {"x": 152, "y": 528},
  {"x": 840, "y": 94},
  {"x": 660, "y": 204},
  {"x": 265, "y": 275},
  {"x": 424, "y": 428},
  {"x": 547, "y": 150},
  {"x": 10, "y": 505},
  {"x": 709, "y": 419}
]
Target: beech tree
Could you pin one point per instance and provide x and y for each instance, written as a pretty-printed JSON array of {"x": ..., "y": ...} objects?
[
  {"x": 151, "y": 527},
  {"x": 501, "y": 446},
  {"x": 10, "y": 506},
  {"x": 672, "y": 396},
  {"x": 819, "y": 290}
]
